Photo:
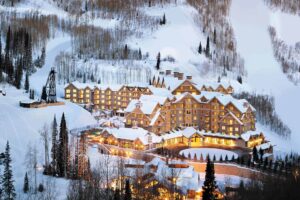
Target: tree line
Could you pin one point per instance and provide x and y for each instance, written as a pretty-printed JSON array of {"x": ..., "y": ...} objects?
[{"x": 265, "y": 112}]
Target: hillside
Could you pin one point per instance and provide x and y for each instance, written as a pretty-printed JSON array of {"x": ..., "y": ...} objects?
[{"x": 118, "y": 43}]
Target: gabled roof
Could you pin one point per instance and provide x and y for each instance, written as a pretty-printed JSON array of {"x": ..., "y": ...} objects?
[
  {"x": 147, "y": 107},
  {"x": 233, "y": 116},
  {"x": 133, "y": 134},
  {"x": 159, "y": 99},
  {"x": 187, "y": 132},
  {"x": 246, "y": 136}
]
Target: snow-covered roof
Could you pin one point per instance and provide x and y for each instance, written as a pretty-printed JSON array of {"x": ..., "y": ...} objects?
[
  {"x": 164, "y": 92},
  {"x": 153, "y": 120},
  {"x": 221, "y": 135},
  {"x": 264, "y": 146},
  {"x": 246, "y": 136},
  {"x": 133, "y": 134},
  {"x": 147, "y": 107},
  {"x": 187, "y": 132},
  {"x": 159, "y": 99},
  {"x": 79, "y": 85}
]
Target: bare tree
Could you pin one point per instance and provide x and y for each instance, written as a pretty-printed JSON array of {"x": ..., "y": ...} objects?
[{"x": 45, "y": 137}]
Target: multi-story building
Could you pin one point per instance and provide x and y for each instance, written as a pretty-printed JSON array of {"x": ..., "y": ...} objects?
[
  {"x": 209, "y": 111},
  {"x": 112, "y": 97}
]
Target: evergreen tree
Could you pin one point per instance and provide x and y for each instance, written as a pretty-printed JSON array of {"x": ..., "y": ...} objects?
[
  {"x": 200, "y": 48},
  {"x": 26, "y": 184},
  {"x": 261, "y": 154},
  {"x": 117, "y": 194},
  {"x": 209, "y": 185},
  {"x": 8, "y": 188},
  {"x": 207, "y": 49},
  {"x": 254, "y": 154},
  {"x": 18, "y": 74},
  {"x": 215, "y": 36},
  {"x": 62, "y": 159},
  {"x": 140, "y": 54},
  {"x": 214, "y": 158},
  {"x": 127, "y": 195},
  {"x": 44, "y": 94},
  {"x": 41, "y": 188},
  {"x": 226, "y": 158},
  {"x": 1, "y": 61},
  {"x": 28, "y": 54},
  {"x": 54, "y": 148},
  {"x": 7, "y": 44},
  {"x": 26, "y": 84},
  {"x": 158, "y": 61},
  {"x": 43, "y": 57},
  {"x": 240, "y": 80},
  {"x": 126, "y": 52},
  {"x": 201, "y": 158}
]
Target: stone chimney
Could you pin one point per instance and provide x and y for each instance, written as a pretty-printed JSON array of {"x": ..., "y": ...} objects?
[
  {"x": 189, "y": 77},
  {"x": 168, "y": 72},
  {"x": 180, "y": 76},
  {"x": 175, "y": 74}
]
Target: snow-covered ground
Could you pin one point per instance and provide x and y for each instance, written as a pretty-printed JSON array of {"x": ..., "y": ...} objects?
[
  {"x": 179, "y": 38},
  {"x": 20, "y": 126},
  {"x": 208, "y": 151},
  {"x": 250, "y": 20}
]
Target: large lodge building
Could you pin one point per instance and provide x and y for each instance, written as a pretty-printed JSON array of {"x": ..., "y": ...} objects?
[{"x": 171, "y": 102}]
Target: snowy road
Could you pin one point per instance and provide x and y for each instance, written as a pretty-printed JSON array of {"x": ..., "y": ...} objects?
[{"x": 250, "y": 21}]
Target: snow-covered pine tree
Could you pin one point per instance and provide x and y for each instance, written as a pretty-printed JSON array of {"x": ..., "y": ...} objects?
[
  {"x": 26, "y": 184},
  {"x": 210, "y": 184},
  {"x": 7, "y": 182}
]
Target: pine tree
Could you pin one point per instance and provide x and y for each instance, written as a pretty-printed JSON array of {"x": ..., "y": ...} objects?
[
  {"x": 158, "y": 61},
  {"x": 126, "y": 52},
  {"x": 117, "y": 194},
  {"x": 8, "y": 188},
  {"x": 43, "y": 57},
  {"x": 226, "y": 158},
  {"x": 54, "y": 148},
  {"x": 209, "y": 185},
  {"x": 44, "y": 94},
  {"x": 140, "y": 54},
  {"x": 28, "y": 54},
  {"x": 200, "y": 48},
  {"x": 19, "y": 74},
  {"x": 1, "y": 61},
  {"x": 215, "y": 36},
  {"x": 26, "y": 184},
  {"x": 254, "y": 154},
  {"x": 26, "y": 84},
  {"x": 127, "y": 195},
  {"x": 207, "y": 49},
  {"x": 62, "y": 159}
]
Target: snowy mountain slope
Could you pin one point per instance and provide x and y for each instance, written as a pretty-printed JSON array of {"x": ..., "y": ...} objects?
[
  {"x": 251, "y": 20},
  {"x": 20, "y": 126},
  {"x": 179, "y": 38}
]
